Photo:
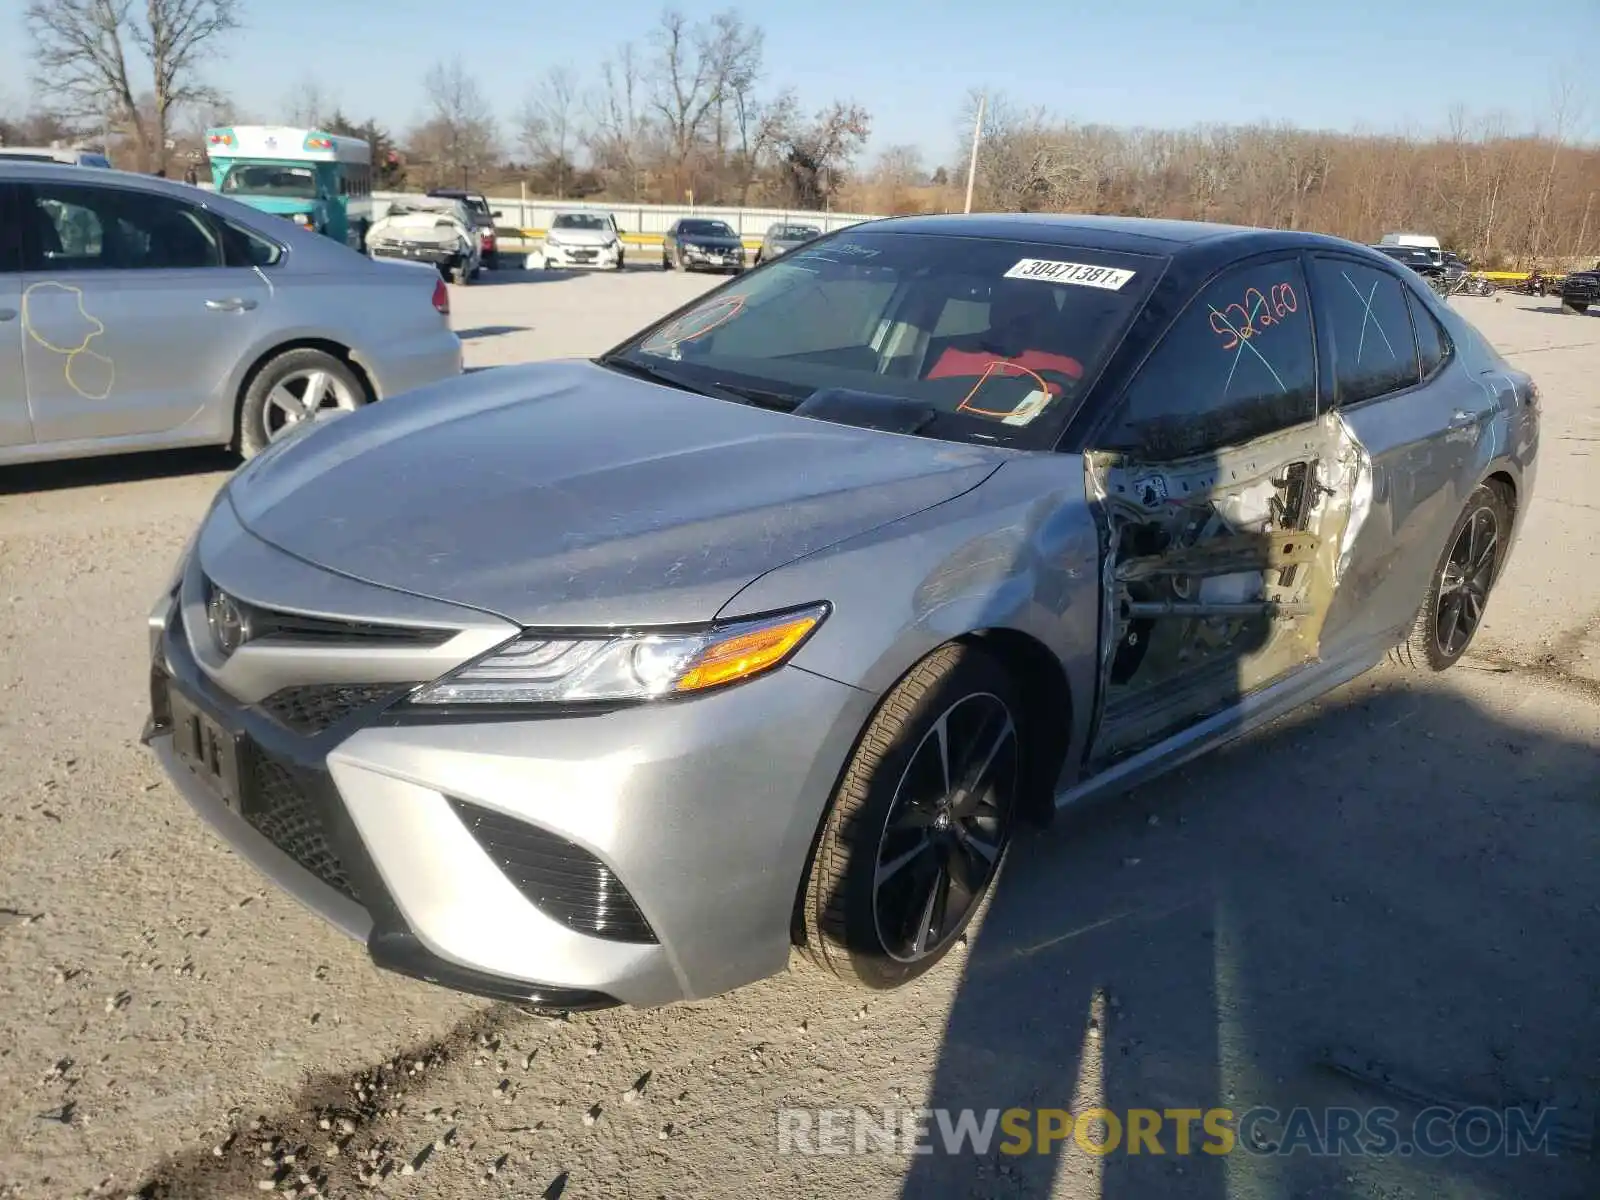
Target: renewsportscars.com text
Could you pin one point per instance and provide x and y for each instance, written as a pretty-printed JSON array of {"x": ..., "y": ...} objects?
[{"x": 1325, "y": 1132}]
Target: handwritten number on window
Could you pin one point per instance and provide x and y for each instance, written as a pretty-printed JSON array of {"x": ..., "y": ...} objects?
[{"x": 1258, "y": 312}]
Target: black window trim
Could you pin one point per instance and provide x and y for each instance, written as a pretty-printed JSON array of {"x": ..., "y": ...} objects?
[
  {"x": 1295, "y": 254},
  {"x": 1423, "y": 297},
  {"x": 11, "y": 259},
  {"x": 24, "y": 195},
  {"x": 219, "y": 222},
  {"x": 1411, "y": 319}
]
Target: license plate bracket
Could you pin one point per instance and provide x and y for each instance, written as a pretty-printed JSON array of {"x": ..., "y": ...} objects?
[{"x": 208, "y": 750}]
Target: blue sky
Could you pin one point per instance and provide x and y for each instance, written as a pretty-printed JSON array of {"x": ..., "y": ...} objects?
[{"x": 1355, "y": 63}]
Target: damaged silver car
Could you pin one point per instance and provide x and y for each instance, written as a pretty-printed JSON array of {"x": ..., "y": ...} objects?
[{"x": 768, "y": 628}]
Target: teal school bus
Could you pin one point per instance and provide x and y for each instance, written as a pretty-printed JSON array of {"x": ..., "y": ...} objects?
[{"x": 319, "y": 181}]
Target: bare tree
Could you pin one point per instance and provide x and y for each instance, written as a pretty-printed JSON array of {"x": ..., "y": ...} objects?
[
  {"x": 457, "y": 140},
  {"x": 619, "y": 125},
  {"x": 307, "y": 103},
  {"x": 694, "y": 79},
  {"x": 817, "y": 155},
  {"x": 762, "y": 127},
  {"x": 82, "y": 49},
  {"x": 1566, "y": 109},
  {"x": 549, "y": 123}
]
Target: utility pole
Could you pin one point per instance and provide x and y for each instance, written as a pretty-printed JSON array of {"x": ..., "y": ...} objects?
[{"x": 977, "y": 136}]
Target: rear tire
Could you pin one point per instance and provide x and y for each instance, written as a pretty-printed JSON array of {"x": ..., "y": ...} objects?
[
  {"x": 260, "y": 414},
  {"x": 1466, "y": 573},
  {"x": 906, "y": 861}
]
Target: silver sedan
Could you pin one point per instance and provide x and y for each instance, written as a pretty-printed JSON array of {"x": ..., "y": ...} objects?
[
  {"x": 617, "y": 680},
  {"x": 138, "y": 314}
]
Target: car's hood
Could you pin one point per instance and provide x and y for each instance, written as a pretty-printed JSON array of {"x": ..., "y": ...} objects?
[
  {"x": 419, "y": 226},
  {"x": 581, "y": 237},
  {"x": 564, "y": 494},
  {"x": 710, "y": 241}
]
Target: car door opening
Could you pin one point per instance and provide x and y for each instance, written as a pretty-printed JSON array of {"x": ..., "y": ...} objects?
[{"x": 1219, "y": 570}]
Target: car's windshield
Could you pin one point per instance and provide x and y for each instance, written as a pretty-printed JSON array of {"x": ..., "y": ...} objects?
[
  {"x": 795, "y": 233},
  {"x": 989, "y": 334},
  {"x": 707, "y": 228},
  {"x": 270, "y": 179},
  {"x": 579, "y": 221}
]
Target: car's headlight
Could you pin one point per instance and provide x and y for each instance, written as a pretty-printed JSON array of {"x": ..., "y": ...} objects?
[{"x": 543, "y": 669}]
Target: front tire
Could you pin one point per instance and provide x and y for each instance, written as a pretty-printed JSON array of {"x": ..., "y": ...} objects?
[
  {"x": 295, "y": 386},
  {"x": 919, "y": 827},
  {"x": 1468, "y": 569}
]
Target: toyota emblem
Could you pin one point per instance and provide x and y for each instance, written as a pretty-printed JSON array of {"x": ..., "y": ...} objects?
[{"x": 227, "y": 622}]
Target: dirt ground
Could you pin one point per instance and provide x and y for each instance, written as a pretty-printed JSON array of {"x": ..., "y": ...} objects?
[{"x": 1403, "y": 875}]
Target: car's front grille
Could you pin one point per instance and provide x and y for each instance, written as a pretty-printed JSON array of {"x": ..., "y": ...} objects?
[
  {"x": 284, "y": 811},
  {"x": 313, "y": 707},
  {"x": 562, "y": 880},
  {"x": 265, "y": 624}
]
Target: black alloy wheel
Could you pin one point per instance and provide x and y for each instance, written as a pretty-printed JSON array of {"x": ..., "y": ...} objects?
[
  {"x": 1451, "y": 614},
  {"x": 918, "y": 830}
]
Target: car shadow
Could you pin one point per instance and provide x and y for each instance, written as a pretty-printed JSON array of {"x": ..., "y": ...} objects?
[
  {"x": 115, "y": 468},
  {"x": 1394, "y": 875},
  {"x": 1384, "y": 900}
]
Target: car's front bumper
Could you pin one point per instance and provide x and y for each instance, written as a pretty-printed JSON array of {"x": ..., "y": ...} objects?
[
  {"x": 641, "y": 856},
  {"x": 708, "y": 261},
  {"x": 1581, "y": 291},
  {"x": 425, "y": 252},
  {"x": 603, "y": 257}
]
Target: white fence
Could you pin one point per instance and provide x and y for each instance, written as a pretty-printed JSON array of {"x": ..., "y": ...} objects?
[{"x": 643, "y": 218}]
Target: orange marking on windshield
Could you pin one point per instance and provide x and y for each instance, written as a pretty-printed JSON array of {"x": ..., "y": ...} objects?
[{"x": 998, "y": 366}]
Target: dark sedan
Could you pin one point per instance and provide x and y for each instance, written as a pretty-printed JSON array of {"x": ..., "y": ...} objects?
[{"x": 702, "y": 244}]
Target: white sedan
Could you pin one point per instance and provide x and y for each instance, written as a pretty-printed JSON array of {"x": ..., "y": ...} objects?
[{"x": 581, "y": 239}]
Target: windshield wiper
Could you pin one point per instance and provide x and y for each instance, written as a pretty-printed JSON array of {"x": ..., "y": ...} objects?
[{"x": 735, "y": 393}]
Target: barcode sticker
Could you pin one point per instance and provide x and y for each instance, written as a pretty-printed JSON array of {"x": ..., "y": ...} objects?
[{"x": 1082, "y": 274}]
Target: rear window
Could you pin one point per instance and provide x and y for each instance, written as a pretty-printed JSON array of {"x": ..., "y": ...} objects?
[{"x": 997, "y": 333}]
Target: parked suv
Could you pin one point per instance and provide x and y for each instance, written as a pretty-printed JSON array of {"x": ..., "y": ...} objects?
[
  {"x": 1580, "y": 289},
  {"x": 483, "y": 217}
]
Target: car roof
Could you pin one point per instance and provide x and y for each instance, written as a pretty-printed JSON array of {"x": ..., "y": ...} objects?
[
  {"x": 304, "y": 247},
  {"x": 17, "y": 170},
  {"x": 1135, "y": 235}
]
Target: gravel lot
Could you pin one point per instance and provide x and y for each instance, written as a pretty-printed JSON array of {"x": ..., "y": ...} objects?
[{"x": 1405, "y": 874}]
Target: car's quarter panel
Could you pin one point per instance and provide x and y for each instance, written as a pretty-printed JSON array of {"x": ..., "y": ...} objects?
[
  {"x": 704, "y": 809},
  {"x": 593, "y": 499},
  {"x": 382, "y": 316},
  {"x": 1426, "y": 446},
  {"x": 1020, "y": 552}
]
